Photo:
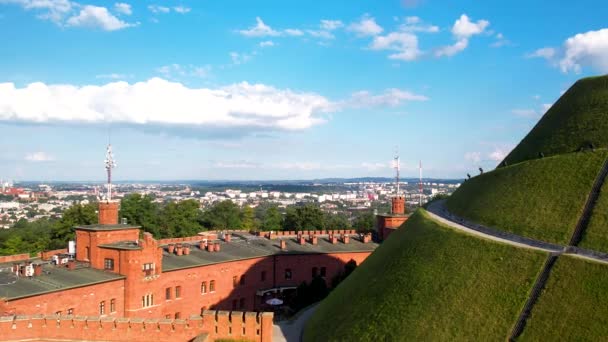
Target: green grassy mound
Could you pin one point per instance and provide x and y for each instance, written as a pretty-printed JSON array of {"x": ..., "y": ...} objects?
[
  {"x": 540, "y": 199},
  {"x": 573, "y": 305},
  {"x": 428, "y": 282},
  {"x": 578, "y": 118},
  {"x": 596, "y": 234}
]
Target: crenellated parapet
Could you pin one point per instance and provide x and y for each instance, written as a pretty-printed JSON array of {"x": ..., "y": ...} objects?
[{"x": 250, "y": 326}]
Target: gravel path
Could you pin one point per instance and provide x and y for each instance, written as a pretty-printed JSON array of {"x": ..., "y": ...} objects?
[{"x": 291, "y": 331}]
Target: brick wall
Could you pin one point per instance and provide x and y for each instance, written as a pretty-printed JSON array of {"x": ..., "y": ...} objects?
[
  {"x": 15, "y": 257},
  {"x": 249, "y": 326}
]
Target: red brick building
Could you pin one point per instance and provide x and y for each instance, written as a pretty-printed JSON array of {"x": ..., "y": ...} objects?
[
  {"x": 388, "y": 223},
  {"x": 120, "y": 278}
]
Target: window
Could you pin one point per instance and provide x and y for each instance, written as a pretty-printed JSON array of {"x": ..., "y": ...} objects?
[
  {"x": 178, "y": 291},
  {"x": 263, "y": 276},
  {"x": 70, "y": 311},
  {"x": 234, "y": 281},
  {"x": 148, "y": 268},
  {"x": 242, "y": 280},
  {"x": 168, "y": 316},
  {"x": 288, "y": 273},
  {"x": 113, "y": 305},
  {"x": 315, "y": 272},
  {"x": 168, "y": 293},
  {"x": 102, "y": 307},
  {"x": 323, "y": 271},
  {"x": 234, "y": 302},
  {"x": 204, "y": 287},
  {"x": 147, "y": 300},
  {"x": 58, "y": 313},
  {"x": 242, "y": 303},
  {"x": 212, "y": 286},
  {"x": 178, "y": 315},
  {"x": 108, "y": 264},
  {"x": 87, "y": 252}
]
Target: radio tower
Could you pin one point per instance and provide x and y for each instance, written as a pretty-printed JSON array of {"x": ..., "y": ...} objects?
[
  {"x": 397, "y": 167},
  {"x": 110, "y": 164},
  {"x": 420, "y": 184}
]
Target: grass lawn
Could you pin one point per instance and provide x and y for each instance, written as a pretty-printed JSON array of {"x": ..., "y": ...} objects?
[
  {"x": 540, "y": 199},
  {"x": 428, "y": 282},
  {"x": 573, "y": 305},
  {"x": 580, "y": 116},
  {"x": 596, "y": 234}
]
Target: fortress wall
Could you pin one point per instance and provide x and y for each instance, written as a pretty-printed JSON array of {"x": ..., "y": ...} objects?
[{"x": 250, "y": 326}]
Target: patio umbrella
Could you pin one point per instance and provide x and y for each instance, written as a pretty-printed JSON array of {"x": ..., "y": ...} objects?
[{"x": 274, "y": 301}]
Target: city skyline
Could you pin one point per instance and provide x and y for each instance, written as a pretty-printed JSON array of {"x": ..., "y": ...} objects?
[{"x": 189, "y": 90}]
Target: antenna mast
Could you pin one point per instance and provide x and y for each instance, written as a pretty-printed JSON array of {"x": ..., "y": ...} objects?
[
  {"x": 420, "y": 183},
  {"x": 110, "y": 164},
  {"x": 397, "y": 167}
]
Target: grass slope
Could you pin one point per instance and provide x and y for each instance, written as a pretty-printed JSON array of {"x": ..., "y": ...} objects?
[
  {"x": 428, "y": 282},
  {"x": 580, "y": 116},
  {"x": 596, "y": 234},
  {"x": 573, "y": 305},
  {"x": 540, "y": 199}
]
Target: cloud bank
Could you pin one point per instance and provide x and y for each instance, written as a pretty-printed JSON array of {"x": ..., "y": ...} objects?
[{"x": 159, "y": 102}]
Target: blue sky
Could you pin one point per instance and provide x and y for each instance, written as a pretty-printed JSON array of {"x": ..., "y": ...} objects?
[{"x": 279, "y": 90}]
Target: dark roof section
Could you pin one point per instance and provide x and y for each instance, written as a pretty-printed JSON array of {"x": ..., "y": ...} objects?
[
  {"x": 122, "y": 245},
  {"x": 245, "y": 246},
  {"x": 107, "y": 227},
  {"x": 53, "y": 278}
]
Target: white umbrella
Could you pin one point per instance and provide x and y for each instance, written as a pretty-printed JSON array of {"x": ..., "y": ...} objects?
[{"x": 274, "y": 301}]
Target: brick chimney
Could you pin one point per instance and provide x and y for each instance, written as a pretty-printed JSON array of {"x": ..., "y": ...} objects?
[
  {"x": 345, "y": 238},
  {"x": 313, "y": 240},
  {"x": 217, "y": 246},
  {"x": 283, "y": 245},
  {"x": 108, "y": 212},
  {"x": 227, "y": 237},
  {"x": 171, "y": 248},
  {"x": 398, "y": 205}
]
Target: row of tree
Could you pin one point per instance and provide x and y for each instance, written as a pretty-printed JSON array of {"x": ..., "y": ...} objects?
[{"x": 174, "y": 219}]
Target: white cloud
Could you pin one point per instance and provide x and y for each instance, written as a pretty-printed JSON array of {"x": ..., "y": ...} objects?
[
  {"x": 473, "y": 157},
  {"x": 462, "y": 30},
  {"x": 405, "y": 44},
  {"x": 267, "y": 43},
  {"x": 546, "y": 53},
  {"x": 320, "y": 34},
  {"x": 500, "y": 41},
  {"x": 54, "y": 11},
  {"x": 239, "y": 58},
  {"x": 177, "y": 70},
  {"x": 451, "y": 50},
  {"x": 123, "y": 8},
  {"x": 97, "y": 17},
  {"x": 158, "y": 9},
  {"x": 161, "y": 102},
  {"x": 586, "y": 49},
  {"x": 331, "y": 25},
  {"x": 182, "y": 9},
  {"x": 415, "y": 24},
  {"x": 365, "y": 27},
  {"x": 465, "y": 28},
  {"x": 391, "y": 97},
  {"x": 39, "y": 157},
  {"x": 238, "y": 164},
  {"x": 114, "y": 76},
  {"x": 499, "y": 153},
  {"x": 294, "y": 32},
  {"x": 536, "y": 97},
  {"x": 259, "y": 30},
  {"x": 376, "y": 166},
  {"x": 526, "y": 113},
  {"x": 546, "y": 106}
]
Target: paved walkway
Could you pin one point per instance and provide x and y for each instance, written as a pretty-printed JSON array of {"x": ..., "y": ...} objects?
[
  {"x": 439, "y": 213},
  {"x": 291, "y": 331}
]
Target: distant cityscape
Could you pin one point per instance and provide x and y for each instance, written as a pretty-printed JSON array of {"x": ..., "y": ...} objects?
[{"x": 32, "y": 201}]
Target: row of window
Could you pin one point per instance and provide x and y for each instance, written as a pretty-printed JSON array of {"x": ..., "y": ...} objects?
[
  {"x": 211, "y": 286},
  {"x": 147, "y": 300},
  {"x": 168, "y": 292},
  {"x": 69, "y": 311},
  {"x": 102, "y": 306}
]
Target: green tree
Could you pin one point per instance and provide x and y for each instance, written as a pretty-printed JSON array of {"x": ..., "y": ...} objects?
[
  {"x": 292, "y": 220},
  {"x": 364, "y": 221},
  {"x": 337, "y": 221},
  {"x": 307, "y": 217},
  {"x": 179, "y": 219},
  {"x": 13, "y": 245},
  {"x": 140, "y": 210},
  {"x": 248, "y": 219},
  {"x": 272, "y": 219},
  {"x": 223, "y": 215},
  {"x": 76, "y": 215}
]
